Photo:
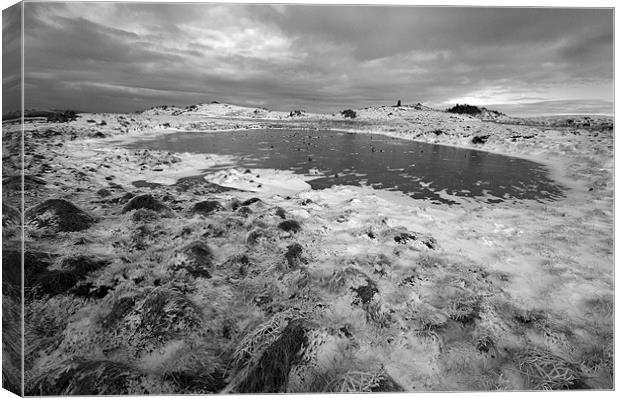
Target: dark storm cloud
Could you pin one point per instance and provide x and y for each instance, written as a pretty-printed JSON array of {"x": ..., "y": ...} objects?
[
  {"x": 119, "y": 57},
  {"x": 11, "y": 58}
]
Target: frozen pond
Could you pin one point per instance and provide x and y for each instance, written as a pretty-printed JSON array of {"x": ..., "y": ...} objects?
[{"x": 422, "y": 171}]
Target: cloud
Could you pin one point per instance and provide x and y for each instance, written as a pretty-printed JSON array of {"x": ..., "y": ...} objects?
[
  {"x": 128, "y": 56},
  {"x": 11, "y": 58},
  {"x": 560, "y": 107}
]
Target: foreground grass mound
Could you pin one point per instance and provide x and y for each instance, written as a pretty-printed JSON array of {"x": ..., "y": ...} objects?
[
  {"x": 147, "y": 202},
  {"x": 58, "y": 215},
  {"x": 85, "y": 377}
]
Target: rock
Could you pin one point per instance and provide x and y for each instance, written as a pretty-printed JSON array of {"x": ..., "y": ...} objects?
[
  {"x": 207, "y": 207},
  {"x": 145, "y": 201},
  {"x": 289, "y": 226},
  {"x": 58, "y": 215}
]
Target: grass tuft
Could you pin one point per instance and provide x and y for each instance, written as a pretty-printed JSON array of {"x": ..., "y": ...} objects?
[
  {"x": 81, "y": 376},
  {"x": 269, "y": 374},
  {"x": 58, "y": 215},
  {"x": 355, "y": 381},
  {"x": 147, "y": 202},
  {"x": 290, "y": 226},
  {"x": 544, "y": 370}
]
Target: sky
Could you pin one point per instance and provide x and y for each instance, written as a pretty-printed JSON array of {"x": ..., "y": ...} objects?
[{"x": 121, "y": 57}]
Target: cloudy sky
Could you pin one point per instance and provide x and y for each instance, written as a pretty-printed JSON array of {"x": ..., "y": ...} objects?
[{"x": 126, "y": 57}]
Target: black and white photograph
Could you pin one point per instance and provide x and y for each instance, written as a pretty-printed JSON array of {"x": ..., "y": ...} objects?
[{"x": 246, "y": 198}]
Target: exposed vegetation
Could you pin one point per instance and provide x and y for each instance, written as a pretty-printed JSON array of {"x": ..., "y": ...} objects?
[
  {"x": 465, "y": 109},
  {"x": 193, "y": 288},
  {"x": 349, "y": 113}
]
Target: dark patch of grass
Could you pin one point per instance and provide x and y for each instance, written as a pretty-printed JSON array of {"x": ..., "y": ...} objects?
[
  {"x": 244, "y": 211},
  {"x": 194, "y": 182},
  {"x": 207, "y": 207},
  {"x": 366, "y": 292},
  {"x": 120, "y": 308},
  {"x": 11, "y": 341},
  {"x": 480, "y": 139},
  {"x": 387, "y": 384},
  {"x": 270, "y": 373},
  {"x": 83, "y": 264},
  {"x": 485, "y": 344},
  {"x": 145, "y": 201},
  {"x": 465, "y": 109},
  {"x": 35, "y": 263},
  {"x": 90, "y": 291},
  {"x": 544, "y": 370},
  {"x": 234, "y": 204},
  {"x": 349, "y": 113},
  {"x": 405, "y": 237},
  {"x": 200, "y": 260},
  {"x": 11, "y": 216},
  {"x": 250, "y": 201},
  {"x": 356, "y": 382},
  {"x": 144, "y": 215},
  {"x": 62, "y": 117},
  {"x": 293, "y": 255},
  {"x": 81, "y": 376},
  {"x": 12, "y": 269},
  {"x": 66, "y": 216},
  {"x": 103, "y": 192},
  {"x": 529, "y": 317},
  {"x": 280, "y": 212},
  {"x": 188, "y": 382},
  {"x": 14, "y": 182},
  {"x": 464, "y": 309},
  {"x": 53, "y": 282},
  {"x": 289, "y": 226},
  {"x": 164, "y": 314}
]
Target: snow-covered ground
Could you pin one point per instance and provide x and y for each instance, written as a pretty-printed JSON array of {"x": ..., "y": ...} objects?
[{"x": 473, "y": 296}]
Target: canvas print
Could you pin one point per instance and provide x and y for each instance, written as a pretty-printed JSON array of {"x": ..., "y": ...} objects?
[{"x": 296, "y": 198}]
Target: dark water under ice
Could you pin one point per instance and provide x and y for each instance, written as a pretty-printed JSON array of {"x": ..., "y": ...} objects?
[{"x": 420, "y": 170}]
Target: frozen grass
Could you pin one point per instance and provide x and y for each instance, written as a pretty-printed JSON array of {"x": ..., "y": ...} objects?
[
  {"x": 546, "y": 371},
  {"x": 356, "y": 382},
  {"x": 11, "y": 342},
  {"x": 326, "y": 288},
  {"x": 85, "y": 377}
]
